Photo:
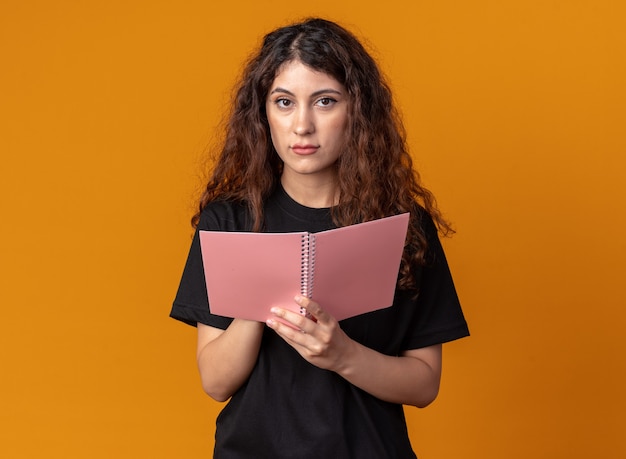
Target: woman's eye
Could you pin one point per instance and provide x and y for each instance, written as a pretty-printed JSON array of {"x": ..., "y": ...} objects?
[
  {"x": 326, "y": 101},
  {"x": 283, "y": 103}
]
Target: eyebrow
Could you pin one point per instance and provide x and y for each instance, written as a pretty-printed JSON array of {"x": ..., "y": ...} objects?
[{"x": 315, "y": 94}]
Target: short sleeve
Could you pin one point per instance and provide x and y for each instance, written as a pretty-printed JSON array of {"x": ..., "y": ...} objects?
[
  {"x": 439, "y": 317},
  {"x": 191, "y": 304}
]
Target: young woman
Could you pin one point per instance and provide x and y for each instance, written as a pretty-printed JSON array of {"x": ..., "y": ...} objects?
[{"x": 313, "y": 143}]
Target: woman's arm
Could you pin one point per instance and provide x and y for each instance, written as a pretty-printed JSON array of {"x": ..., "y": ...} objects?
[
  {"x": 226, "y": 357},
  {"x": 411, "y": 379}
]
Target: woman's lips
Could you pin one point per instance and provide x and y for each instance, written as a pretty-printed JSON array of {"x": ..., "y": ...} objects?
[{"x": 304, "y": 149}]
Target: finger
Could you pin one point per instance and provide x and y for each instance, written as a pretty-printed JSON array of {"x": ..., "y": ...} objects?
[
  {"x": 290, "y": 319},
  {"x": 312, "y": 308},
  {"x": 288, "y": 331}
]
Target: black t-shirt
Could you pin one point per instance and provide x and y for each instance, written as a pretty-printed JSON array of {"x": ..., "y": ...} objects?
[{"x": 289, "y": 408}]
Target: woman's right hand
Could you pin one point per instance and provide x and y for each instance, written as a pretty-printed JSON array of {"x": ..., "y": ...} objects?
[{"x": 226, "y": 357}]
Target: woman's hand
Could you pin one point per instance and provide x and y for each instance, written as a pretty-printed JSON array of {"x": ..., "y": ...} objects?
[
  {"x": 411, "y": 378},
  {"x": 317, "y": 336}
]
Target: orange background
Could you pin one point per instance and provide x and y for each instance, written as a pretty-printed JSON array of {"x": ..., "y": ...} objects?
[{"x": 515, "y": 113}]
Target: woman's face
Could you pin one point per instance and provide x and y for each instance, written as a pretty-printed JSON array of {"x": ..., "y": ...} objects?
[{"x": 307, "y": 113}]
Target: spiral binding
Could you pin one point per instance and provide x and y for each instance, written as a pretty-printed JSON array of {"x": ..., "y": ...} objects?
[{"x": 307, "y": 266}]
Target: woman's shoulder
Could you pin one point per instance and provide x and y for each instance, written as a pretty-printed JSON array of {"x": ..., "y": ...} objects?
[{"x": 225, "y": 215}]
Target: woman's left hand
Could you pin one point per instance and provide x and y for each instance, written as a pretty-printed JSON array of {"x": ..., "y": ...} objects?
[
  {"x": 411, "y": 378},
  {"x": 317, "y": 336}
]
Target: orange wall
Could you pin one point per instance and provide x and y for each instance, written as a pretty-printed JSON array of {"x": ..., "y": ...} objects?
[{"x": 515, "y": 111}]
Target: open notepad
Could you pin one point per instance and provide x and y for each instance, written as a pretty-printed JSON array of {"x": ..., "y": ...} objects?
[{"x": 349, "y": 270}]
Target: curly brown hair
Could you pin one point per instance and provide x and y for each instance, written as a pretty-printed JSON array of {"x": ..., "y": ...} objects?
[{"x": 376, "y": 177}]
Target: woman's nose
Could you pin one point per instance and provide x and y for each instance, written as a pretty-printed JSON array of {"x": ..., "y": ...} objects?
[{"x": 303, "y": 122}]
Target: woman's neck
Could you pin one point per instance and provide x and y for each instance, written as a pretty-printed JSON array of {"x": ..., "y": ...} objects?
[{"x": 311, "y": 193}]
